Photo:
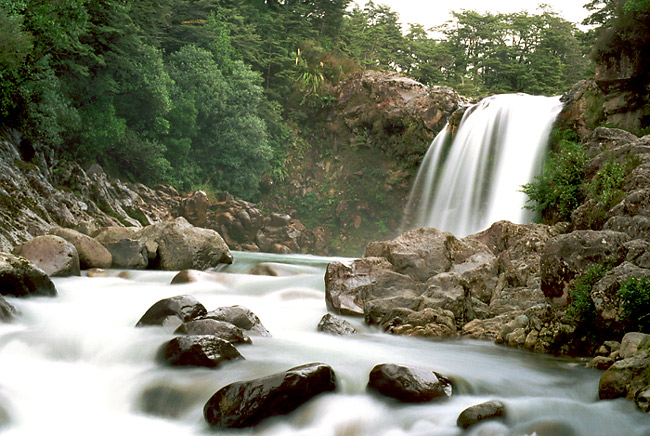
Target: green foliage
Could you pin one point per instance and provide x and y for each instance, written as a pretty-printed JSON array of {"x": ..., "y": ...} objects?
[
  {"x": 558, "y": 191},
  {"x": 581, "y": 310},
  {"x": 607, "y": 185},
  {"x": 635, "y": 300}
]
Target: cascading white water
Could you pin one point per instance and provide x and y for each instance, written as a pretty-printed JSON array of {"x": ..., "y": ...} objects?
[
  {"x": 467, "y": 182},
  {"x": 76, "y": 365}
]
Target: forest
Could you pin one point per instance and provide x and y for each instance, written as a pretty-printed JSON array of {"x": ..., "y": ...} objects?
[{"x": 209, "y": 93}]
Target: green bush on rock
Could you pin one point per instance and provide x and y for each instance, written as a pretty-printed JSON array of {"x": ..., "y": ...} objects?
[{"x": 635, "y": 299}]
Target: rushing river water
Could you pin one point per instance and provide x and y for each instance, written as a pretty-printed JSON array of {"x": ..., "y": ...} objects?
[{"x": 75, "y": 365}]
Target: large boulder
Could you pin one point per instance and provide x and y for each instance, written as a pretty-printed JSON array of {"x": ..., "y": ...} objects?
[
  {"x": 202, "y": 350},
  {"x": 19, "y": 278},
  {"x": 481, "y": 412},
  {"x": 220, "y": 329},
  {"x": 240, "y": 317},
  {"x": 178, "y": 245},
  {"x": 408, "y": 384},
  {"x": 625, "y": 378},
  {"x": 128, "y": 254},
  {"x": 53, "y": 254},
  {"x": 566, "y": 256},
  {"x": 172, "y": 311},
  {"x": 92, "y": 254},
  {"x": 246, "y": 403}
]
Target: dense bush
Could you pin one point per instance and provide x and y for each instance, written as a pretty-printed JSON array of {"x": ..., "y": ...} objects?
[
  {"x": 635, "y": 299},
  {"x": 581, "y": 310}
]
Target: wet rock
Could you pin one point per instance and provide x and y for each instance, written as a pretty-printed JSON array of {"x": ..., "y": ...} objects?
[
  {"x": 19, "y": 278},
  {"x": 481, "y": 412},
  {"x": 173, "y": 310},
  {"x": 247, "y": 403},
  {"x": 193, "y": 276},
  {"x": 54, "y": 255},
  {"x": 179, "y": 245},
  {"x": 336, "y": 326},
  {"x": 240, "y": 317},
  {"x": 408, "y": 384},
  {"x": 128, "y": 254},
  {"x": 271, "y": 269},
  {"x": 632, "y": 343},
  {"x": 7, "y": 311},
  {"x": 220, "y": 329},
  {"x": 207, "y": 351},
  {"x": 92, "y": 254},
  {"x": 566, "y": 256}
]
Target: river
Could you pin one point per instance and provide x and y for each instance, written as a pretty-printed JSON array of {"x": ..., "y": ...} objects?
[{"x": 75, "y": 365}]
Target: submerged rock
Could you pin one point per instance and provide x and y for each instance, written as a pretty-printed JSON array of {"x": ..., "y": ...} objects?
[
  {"x": 193, "y": 276},
  {"x": 409, "y": 384},
  {"x": 246, "y": 403},
  {"x": 200, "y": 350},
  {"x": 336, "y": 326},
  {"x": 481, "y": 412},
  {"x": 53, "y": 254},
  {"x": 220, "y": 329},
  {"x": 19, "y": 277},
  {"x": 241, "y": 317},
  {"x": 173, "y": 310}
]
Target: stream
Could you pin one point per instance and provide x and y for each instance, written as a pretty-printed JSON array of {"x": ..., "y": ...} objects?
[{"x": 75, "y": 365}]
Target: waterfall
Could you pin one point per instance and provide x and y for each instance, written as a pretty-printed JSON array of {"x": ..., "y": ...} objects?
[{"x": 472, "y": 178}]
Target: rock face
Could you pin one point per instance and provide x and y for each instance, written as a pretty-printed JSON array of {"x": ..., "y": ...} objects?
[
  {"x": 481, "y": 412},
  {"x": 54, "y": 255},
  {"x": 174, "y": 310},
  {"x": 202, "y": 350},
  {"x": 91, "y": 253},
  {"x": 408, "y": 384},
  {"x": 19, "y": 278},
  {"x": 245, "y": 404}
]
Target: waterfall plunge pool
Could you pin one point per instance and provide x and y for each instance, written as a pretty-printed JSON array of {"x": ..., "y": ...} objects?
[{"x": 76, "y": 365}]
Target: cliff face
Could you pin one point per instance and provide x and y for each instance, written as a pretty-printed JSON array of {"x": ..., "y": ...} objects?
[{"x": 353, "y": 178}]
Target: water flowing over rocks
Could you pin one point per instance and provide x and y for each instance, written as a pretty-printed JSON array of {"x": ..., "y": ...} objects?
[
  {"x": 245, "y": 404},
  {"x": 54, "y": 255},
  {"x": 197, "y": 350},
  {"x": 481, "y": 412},
  {"x": 19, "y": 278},
  {"x": 408, "y": 384}
]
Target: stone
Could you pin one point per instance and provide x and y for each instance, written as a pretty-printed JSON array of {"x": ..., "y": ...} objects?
[
  {"x": 193, "y": 276},
  {"x": 271, "y": 269},
  {"x": 20, "y": 278},
  {"x": 7, "y": 311},
  {"x": 625, "y": 378},
  {"x": 114, "y": 234},
  {"x": 335, "y": 326},
  {"x": 600, "y": 362},
  {"x": 642, "y": 400},
  {"x": 53, "y": 254},
  {"x": 240, "y": 317},
  {"x": 408, "y": 384},
  {"x": 632, "y": 343},
  {"x": 247, "y": 403},
  {"x": 92, "y": 254},
  {"x": 128, "y": 254},
  {"x": 566, "y": 256},
  {"x": 173, "y": 310},
  {"x": 481, "y": 412},
  {"x": 195, "y": 208},
  {"x": 165, "y": 401},
  {"x": 179, "y": 245},
  {"x": 202, "y": 350},
  {"x": 220, "y": 329}
]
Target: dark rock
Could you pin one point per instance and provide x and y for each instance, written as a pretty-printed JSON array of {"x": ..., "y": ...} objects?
[
  {"x": 600, "y": 362},
  {"x": 175, "y": 310},
  {"x": 19, "y": 277},
  {"x": 642, "y": 400},
  {"x": 7, "y": 311},
  {"x": 336, "y": 326},
  {"x": 566, "y": 256},
  {"x": 271, "y": 269},
  {"x": 481, "y": 412},
  {"x": 192, "y": 276},
  {"x": 53, "y": 254},
  {"x": 179, "y": 245},
  {"x": 208, "y": 351},
  {"x": 408, "y": 384},
  {"x": 128, "y": 254},
  {"x": 220, "y": 329},
  {"x": 195, "y": 208},
  {"x": 625, "y": 378},
  {"x": 245, "y": 404},
  {"x": 165, "y": 401},
  {"x": 92, "y": 254},
  {"x": 241, "y": 317}
]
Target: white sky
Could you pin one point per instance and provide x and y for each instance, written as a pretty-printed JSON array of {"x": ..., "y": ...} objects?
[{"x": 431, "y": 13}]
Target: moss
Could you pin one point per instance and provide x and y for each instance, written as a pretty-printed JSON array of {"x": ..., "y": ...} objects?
[{"x": 137, "y": 215}]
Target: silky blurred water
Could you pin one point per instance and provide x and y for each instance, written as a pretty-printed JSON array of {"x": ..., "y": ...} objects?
[{"x": 76, "y": 365}]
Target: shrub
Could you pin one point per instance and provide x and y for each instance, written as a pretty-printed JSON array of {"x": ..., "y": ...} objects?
[
  {"x": 581, "y": 310},
  {"x": 635, "y": 300}
]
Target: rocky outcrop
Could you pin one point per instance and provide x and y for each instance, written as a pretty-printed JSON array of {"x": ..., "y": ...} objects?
[
  {"x": 202, "y": 350},
  {"x": 54, "y": 255},
  {"x": 20, "y": 278},
  {"x": 172, "y": 311},
  {"x": 408, "y": 384},
  {"x": 247, "y": 403}
]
